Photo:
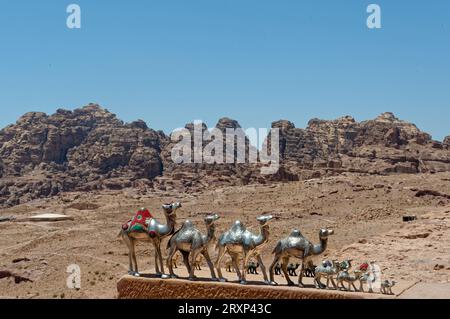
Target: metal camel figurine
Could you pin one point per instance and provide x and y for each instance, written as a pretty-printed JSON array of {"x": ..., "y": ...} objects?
[
  {"x": 239, "y": 241},
  {"x": 191, "y": 242},
  {"x": 297, "y": 246},
  {"x": 154, "y": 232}
]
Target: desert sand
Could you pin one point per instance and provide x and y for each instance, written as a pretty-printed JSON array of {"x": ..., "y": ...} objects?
[{"x": 365, "y": 211}]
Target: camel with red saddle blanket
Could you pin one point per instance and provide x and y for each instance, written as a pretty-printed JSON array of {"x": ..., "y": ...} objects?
[{"x": 144, "y": 227}]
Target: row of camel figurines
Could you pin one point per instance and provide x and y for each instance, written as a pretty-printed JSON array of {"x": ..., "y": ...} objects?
[
  {"x": 337, "y": 273},
  {"x": 241, "y": 245},
  {"x": 238, "y": 242}
]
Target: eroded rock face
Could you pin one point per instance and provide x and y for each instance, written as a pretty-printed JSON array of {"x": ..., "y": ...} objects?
[
  {"x": 189, "y": 177},
  {"x": 86, "y": 149},
  {"x": 383, "y": 145},
  {"x": 447, "y": 142},
  {"x": 90, "y": 149}
]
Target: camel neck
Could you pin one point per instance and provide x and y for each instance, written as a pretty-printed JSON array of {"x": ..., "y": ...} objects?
[
  {"x": 211, "y": 232},
  {"x": 318, "y": 249},
  {"x": 170, "y": 221},
  {"x": 264, "y": 235}
]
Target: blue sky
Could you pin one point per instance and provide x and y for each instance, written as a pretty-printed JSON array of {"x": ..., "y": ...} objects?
[{"x": 173, "y": 61}]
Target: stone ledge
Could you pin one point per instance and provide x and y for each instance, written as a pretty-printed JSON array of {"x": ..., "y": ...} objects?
[{"x": 156, "y": 288}]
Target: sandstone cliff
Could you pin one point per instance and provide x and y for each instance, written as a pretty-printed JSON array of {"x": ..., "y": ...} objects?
[
  {"x": 89, "y": 148},
  {"x": 380, "y": 146}
]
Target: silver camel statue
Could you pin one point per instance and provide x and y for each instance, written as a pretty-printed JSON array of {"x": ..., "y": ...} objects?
[
  {"x": 155, "y": 232},
  {"x": 297, "y": 246},
  {"x": 239, "y": 241},
  {"x": 191, "y": 242}
]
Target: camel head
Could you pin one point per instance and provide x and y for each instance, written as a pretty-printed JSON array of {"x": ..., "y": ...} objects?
[
  {"x": 324, "y": 233},
  {"x": 211, "y": 219},
  {"x": 263, "y": 220},
  {"x": 170, "y": 209}
]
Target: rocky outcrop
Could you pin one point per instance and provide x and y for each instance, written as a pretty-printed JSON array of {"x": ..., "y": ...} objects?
[
  {"x": 89, "y": 149},
  {"x": 86, "y": 149},
  {"x": 380, "y": 146},
  {"x": 447, "y": 142},
  {"x": 193, "y": 175}
]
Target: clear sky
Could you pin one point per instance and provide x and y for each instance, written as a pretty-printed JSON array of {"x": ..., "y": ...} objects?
[{"x": 173, "y": 61}]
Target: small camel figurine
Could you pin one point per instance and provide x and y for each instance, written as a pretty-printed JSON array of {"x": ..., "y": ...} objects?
[
  {"x": 239, "y": 241},
  {"x": 310, "y": 269},
  {"x": 252, "y": 268},
  {"x": 386, "y": 287},
  {"x": 154, "y": 233},
  {"x": 328, "y": 269},
  {"x": 365, "y": 278},
  {"x": 198, "y": 262},
  {"x": 292, "y": 269},
  {"x": 350, "y": 279},
  {"x": 278, "y": 269},
  {"x": 191, "y": 243},
  {"x": 297, "y": 246}
]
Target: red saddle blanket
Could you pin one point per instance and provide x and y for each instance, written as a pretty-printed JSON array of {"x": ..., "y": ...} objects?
[
  {"x": 364, "y": 267},
  {"x": 139, "y": 222}
]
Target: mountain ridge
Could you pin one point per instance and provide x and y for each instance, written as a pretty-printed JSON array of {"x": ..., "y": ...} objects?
[{"x": 89, "y": 148}]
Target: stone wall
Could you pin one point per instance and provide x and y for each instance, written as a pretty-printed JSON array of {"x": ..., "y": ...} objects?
[{"x": 154, "y": 288}]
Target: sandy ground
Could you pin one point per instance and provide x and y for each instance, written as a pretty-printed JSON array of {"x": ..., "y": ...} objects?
[{"x": 365, "y": 212}]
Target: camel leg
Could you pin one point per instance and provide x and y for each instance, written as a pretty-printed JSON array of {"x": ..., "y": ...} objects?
[
  {"x": 133, "y": 254},
  {"x": 158, "y": 273},
  {"x": 130, "y": 263},
  {"x": 219, "y": 261},
  {"x": 192, "y": 260},
  {"x": 263, "y": 269},
  {"x": 186, "y": 260},
  {"x": 271, "y": 269},
  {"x": 284, "y": 265},
  {"x": 169, "y": 261},
  {"x": 160, "y": 259},
  {"x": 129, "y": 242},
  {"x": 235, "y": 263},
  {"x": 333, "y": 283},
  {"x": 210, "y": 264},
  {"x": 317, "y": 282},
  {"x": 134, "y": 263},
  {"x": 245, "y": 261},
  {"x": 361, "y": 288},
  {"x": 300, "y": 277}
]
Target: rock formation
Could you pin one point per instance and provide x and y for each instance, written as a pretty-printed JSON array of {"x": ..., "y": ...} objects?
[
  {"x": 447, "y": 142},
  {"x": 89, "y": 148},
  {"x": 380, "y": 146},
  {"x": 86, "y": 149}
]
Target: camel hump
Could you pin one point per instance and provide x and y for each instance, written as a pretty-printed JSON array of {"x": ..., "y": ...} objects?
[
  {"x": 238, "y": 227},
  {"x": 296, "y": 233},
  {"x": 187, "y": 224}
]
